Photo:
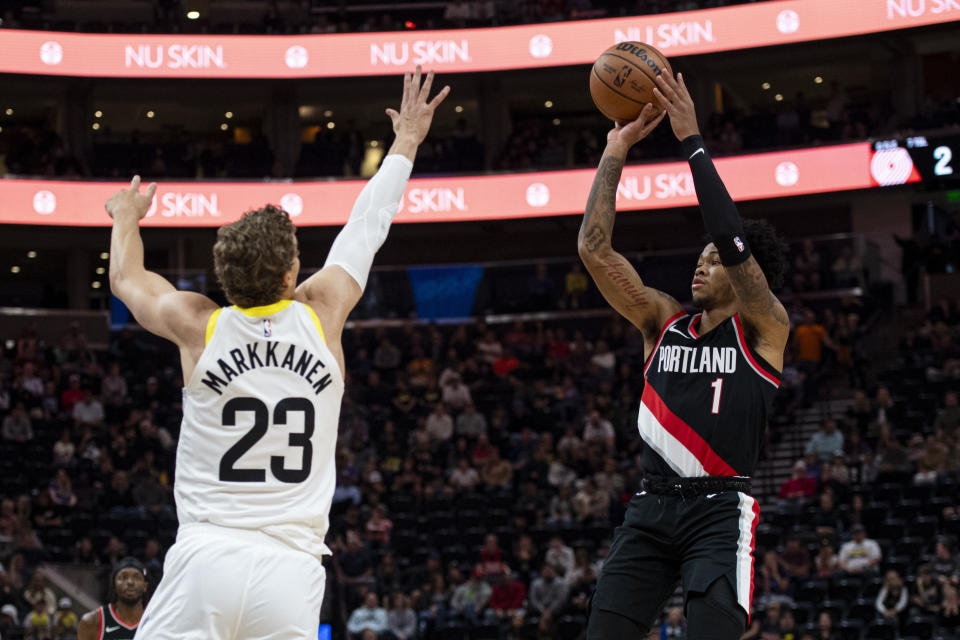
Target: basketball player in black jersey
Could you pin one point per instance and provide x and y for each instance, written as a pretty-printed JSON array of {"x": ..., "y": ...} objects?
[
  {"x": 119, "y": 619},
  {"x": 710, "y": 380}
]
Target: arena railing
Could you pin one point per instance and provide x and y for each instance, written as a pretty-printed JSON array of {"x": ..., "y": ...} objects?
[{"x": 457, "y": 50}]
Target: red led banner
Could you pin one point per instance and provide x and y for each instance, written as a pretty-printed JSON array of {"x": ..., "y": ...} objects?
[
  {"x": 554, "y": 44},
  {"x": 651, "y": 186}
]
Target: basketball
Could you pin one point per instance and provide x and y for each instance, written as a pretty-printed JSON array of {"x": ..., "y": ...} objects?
[{"x": 622, "y": 80}]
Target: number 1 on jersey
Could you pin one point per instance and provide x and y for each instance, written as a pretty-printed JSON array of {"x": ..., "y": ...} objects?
[{"x": 717, "y": 390}]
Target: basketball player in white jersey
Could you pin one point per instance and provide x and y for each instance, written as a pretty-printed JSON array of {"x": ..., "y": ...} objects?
[{"x": 263, "y": 383}]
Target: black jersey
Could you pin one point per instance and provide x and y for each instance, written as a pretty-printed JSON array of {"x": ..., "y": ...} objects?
[
  {"x": 112, "y": 628},
  {"x": 706, "y": 401}
]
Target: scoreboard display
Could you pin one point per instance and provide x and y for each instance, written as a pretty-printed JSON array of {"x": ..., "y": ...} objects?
[{"x": 933, "y": 160}]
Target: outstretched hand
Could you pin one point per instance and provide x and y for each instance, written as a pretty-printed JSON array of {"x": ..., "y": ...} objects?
[
  {"x": 130, "y": 202},
  {"x": 633, "y": 132},
  {"x": 416, "y": 114},
  {"x": 676, "y": 101}
]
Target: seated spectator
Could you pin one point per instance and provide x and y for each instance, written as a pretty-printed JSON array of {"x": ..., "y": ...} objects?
[
  {"x": 38, "y": 624},
  {"x": 370, "y": 617},
  {"x": 798, "y": 485},
  {"x": 826, "y": 520},
  {"x": 927, "y": 593},
  {"x": 355, "y": 562},
  {"x": 71, "y": 395},
  {"x": 471, "y": 597},
  {"x": 892, "y": 599},
  {"x": 548, "y": 593},
  {"x": 860, "y": 555},
  {"x": 37, "y": 592},
  {"x": 950, "y": 609},
  {"x": 892, "y": 458},
  {"x": 945, "y": 566},
  {"x": 766, "y": 626},
  {"x": 795, "y": 559},
  {"x": 63, "y": 449},
  {"x": 932, "y": 461},
  {"x": 826, "y": 562},
  {"x": 560, "y": 556},
  {"x": 497, "y": 473},
  {"x": 456, "y": 395},
  {"x": 379, "y": 526},
  {"x": 825, "y": 442},
  {"x": 674, "y": 627},
  {"x": 560, "y": 510},
  {"x": 597, "y": 430},
  {"x": 88, "y": 410},
  {"x": 61, "y": 490},
  {"x": 591, "y": 503},
  {"x": 491, "y": 555},
  {"x": 65, "y": 620},
  {"x": 402, "y": 619},
  {"x": 507, "y": 596},
  {"x": 470, "y": 422},
  {"x": 575, "y": 286},
  {"x": 464, "y": 476},
  {"x": 17, "y": 426},
  {"x": 824, "y": 630},
  {"x": 439, "y": 425},
  {"x": 948, "y": 418},
  {"x": 772, "y": 581}
]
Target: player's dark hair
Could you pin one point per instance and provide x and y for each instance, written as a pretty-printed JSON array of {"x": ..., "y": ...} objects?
[
  {"x": 129, "y": 562},
  {"x": 769, "y": 249},
  {"x": 252, "y": 254}
]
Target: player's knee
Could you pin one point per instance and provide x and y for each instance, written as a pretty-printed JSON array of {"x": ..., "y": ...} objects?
[
  {"x": 715, "y": 614},
  {"x": 605, "y": 624}
]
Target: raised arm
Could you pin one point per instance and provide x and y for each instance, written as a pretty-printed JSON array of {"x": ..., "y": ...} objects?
[
  {"x": 616, "y": 278},
  {"x": 758, "y": 306},
  {"x": 335, "y": 290},
  {"x": 178, "y": 316}
]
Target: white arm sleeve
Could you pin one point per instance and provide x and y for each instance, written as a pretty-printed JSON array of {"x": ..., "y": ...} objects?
[{"x": 358, "y": 241}]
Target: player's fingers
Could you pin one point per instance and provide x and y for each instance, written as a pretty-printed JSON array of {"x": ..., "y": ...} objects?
[
  {"x": 406, "y": 89},
  {"x": 151, "y": 190},
  {"x": 666, "y": 85},
  {"x": 135, "y": 184},
  {"x": 416, "y": 81},
  {"x": 427, "y": 84},
  {"x": 663, "y": 100},
  {"x": 439, "y": 97},
  {"x": 682, "y": 85}
]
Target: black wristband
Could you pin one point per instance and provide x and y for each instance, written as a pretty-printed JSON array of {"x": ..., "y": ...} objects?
[{"x": 720, "y": 216}]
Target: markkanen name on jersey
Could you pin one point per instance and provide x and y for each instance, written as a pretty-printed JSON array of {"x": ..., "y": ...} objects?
[
  {"x": 677, "y": 359},
  {"x": 301, "y": 361}
]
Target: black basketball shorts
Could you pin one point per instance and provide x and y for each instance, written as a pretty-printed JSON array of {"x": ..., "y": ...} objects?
[{"x": 666, "y": 538}]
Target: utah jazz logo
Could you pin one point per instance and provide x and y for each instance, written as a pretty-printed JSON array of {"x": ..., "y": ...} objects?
[{"x": 622, "y": 75}]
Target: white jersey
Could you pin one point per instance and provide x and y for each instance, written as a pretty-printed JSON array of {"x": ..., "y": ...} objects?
[{"x": 259, "y": 432}]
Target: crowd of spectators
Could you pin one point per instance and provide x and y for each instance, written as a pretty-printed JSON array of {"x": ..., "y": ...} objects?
[{"x": 481, "y": 470}]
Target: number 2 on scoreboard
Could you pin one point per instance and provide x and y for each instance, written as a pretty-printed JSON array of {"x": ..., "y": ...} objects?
[{"x": 717, "y": 390}]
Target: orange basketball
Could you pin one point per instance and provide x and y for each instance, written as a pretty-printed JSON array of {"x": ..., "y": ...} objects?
[{"x": 622, "y": 80}]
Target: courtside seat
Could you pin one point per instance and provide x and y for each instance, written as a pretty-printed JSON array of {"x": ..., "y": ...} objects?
[
  {"x": 920, "y": 626},
  {"x": 907, "y": 509},
  {"x": 882, "y": 629},
  {"x": 845, "y": 589},
  {"x": 813, "y": 591},
  {"x": 850, "y": 629},
  {"x": 862, "y": 609}
]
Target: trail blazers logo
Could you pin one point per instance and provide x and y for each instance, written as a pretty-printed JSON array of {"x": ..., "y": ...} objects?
[{"x": 622, "y": 76}]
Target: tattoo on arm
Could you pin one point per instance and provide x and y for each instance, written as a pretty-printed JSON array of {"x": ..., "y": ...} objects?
[
  {"x": 601, "y": 208},
  {"x": 754, "y": 292}
]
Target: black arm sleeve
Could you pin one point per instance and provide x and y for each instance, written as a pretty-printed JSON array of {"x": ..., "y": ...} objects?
[{"x": 720, "y": 216}]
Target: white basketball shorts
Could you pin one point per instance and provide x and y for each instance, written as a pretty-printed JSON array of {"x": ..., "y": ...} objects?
[{"x": 234, "y": 584}]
